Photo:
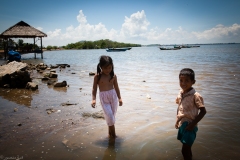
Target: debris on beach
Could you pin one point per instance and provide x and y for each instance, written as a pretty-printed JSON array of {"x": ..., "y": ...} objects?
[
  {"x": 98, "y": 114},
  {"x": 15, "y": 109},
  {"x": 148, "y": 96},
  {"x": 68, "y": 104},
  {"x": 50, "y": 110}
]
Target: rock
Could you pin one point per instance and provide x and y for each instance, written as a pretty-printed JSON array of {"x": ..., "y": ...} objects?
[
  {"x": 42, "y": 66},
  {"x": 56, "y": 66},
  {"x": 6, "y": 86},
  {"x": 53, "y": 75},
  {"x": 63, "y": 65},
  {"x": 50, "y": 82},
  {"x": 91, "y": 74},
  {"x": 32, "y": 86},
  {"x": 46, "y": 74},
  {"x": 14, "y": 74},
  {"x": 45, "y": 79},
  {"x": 15, "y": 109},
  {"x": 60, "y": 84},
  {"x": 65, "y": 142},
  {"x": 53, "y": 70}
]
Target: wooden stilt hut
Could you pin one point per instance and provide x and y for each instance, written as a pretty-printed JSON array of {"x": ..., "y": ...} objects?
[{"x": 23, "y": 30}]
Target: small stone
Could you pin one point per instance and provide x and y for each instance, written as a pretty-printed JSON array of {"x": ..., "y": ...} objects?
[{"x": 91, "y": 74}]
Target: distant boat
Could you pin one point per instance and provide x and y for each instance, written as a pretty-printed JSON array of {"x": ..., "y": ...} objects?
[
  {"x": 187, "y": 46},
  {"x": 164, "y": 48},
  {"x": 178, "y": 47},
  {"x": 117, "y": 49}
]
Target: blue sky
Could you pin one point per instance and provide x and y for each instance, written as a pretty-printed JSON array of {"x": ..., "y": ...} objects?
[{"x": 131, "y": 21}]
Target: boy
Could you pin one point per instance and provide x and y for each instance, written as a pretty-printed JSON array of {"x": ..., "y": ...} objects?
[{"x": 189, "y": 103}]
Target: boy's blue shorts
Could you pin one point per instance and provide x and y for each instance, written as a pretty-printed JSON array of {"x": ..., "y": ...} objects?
[{"x": 185, "y": 136}]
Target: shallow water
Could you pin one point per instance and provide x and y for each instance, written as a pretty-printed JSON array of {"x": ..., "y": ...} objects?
[{"x": 145, "y": 127}]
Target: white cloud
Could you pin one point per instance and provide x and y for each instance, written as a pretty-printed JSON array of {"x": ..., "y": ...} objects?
[
  {"x": 135, "y": 30},
  {"x": 54, "y": 34},
  {"x": 81, "y": 18},
  {"x": 136, "y": 25},
  {"x": 220, "y": 31},
  {"x": 39, "y": 28}
]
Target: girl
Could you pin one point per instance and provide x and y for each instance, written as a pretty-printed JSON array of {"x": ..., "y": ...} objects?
[{"x": 109, "y": 93}]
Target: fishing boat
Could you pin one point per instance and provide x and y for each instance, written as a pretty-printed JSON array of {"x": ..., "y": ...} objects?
[
  {"x": 178, "y": 47},
  {"x": 116, "y": 49},
  {"x": 164, "y": 48},
  {"x": 187, "y": 46}
]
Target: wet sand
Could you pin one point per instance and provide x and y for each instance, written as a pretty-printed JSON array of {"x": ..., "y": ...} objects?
[{"x": 28, "y": 131}]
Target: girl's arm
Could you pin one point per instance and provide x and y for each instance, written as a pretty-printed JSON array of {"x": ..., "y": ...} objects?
[
  {"x": 117, "y": 91},
  {"x": 94, "y": 91}
]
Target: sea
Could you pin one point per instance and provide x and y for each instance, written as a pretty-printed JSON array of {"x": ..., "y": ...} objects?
[{"x": 145, "y": 123}]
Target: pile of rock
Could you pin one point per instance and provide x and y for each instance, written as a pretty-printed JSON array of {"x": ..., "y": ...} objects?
[
  {"x": 17, "y": 75},
  {"x": 14, "y": 75}
]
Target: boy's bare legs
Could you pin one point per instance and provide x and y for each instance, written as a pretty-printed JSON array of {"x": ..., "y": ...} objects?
[
  {"x": 111, "y": 131},
  {"x": 187, "y": 152}
]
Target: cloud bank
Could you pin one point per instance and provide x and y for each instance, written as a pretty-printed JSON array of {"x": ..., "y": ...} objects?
[{"x": 135, "y": 29}]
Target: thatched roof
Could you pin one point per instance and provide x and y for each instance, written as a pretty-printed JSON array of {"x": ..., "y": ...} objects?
[{"x": 22, "y": 30}]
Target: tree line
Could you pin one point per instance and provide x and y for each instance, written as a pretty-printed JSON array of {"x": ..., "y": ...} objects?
[{"x": 99, "y": 44}]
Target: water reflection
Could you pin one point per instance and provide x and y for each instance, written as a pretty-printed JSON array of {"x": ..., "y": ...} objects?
[
  {"x": 19, "y": 96},
  {"x": 60, "y": 89},
  {"x": 110, "y": 153}
]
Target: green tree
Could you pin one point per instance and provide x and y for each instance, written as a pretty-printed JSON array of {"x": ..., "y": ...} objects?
[
  {"x": 20, "y": 42},
  {"x": 49, "y": 48}
]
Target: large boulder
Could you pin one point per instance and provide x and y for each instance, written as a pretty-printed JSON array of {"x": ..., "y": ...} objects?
[{"x": 14, "y": 74}]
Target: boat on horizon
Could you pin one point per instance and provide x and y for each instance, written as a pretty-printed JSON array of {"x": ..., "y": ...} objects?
[
  {"x": 118, "y": 49},
  {"x": 188, "y": 46},
  {"x": 164, "y": 48}
]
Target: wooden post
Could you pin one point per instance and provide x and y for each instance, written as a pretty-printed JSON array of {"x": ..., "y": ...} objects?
[
  {"x": 6, "y": 50},
  {"x": 34, "y": 48},
  {"x": 41, "y": 49}
]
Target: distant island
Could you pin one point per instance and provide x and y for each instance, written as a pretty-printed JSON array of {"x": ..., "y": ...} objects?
[{"x": 154, "y": 45}]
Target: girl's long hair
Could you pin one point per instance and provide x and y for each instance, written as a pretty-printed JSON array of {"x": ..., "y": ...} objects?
[{"x": 105, "y": 61}]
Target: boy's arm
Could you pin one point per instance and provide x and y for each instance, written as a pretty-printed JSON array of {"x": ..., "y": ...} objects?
[
  {"x": 197, "y": 119},
  {"x": 117, "y": 91},
  {"x": 94, "y": 91}
]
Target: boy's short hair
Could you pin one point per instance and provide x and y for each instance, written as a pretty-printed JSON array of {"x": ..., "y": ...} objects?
[{"x": 187, "y": 72}]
